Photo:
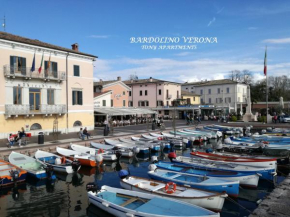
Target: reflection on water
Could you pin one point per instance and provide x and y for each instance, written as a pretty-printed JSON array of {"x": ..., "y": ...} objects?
[{"x": 67, "y": 195}]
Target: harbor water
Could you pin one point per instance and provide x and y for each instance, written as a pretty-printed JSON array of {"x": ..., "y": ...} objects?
[{"x": 67, "y": 196}]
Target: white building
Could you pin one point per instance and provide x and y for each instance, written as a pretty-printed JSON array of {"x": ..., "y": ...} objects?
[
  {"x": 223, "y": 93},
  {"x": 103, "y": 99}
]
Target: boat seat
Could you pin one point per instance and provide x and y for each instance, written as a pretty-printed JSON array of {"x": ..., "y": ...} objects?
[
  {"x": 135, "y": 182},
  {"x": 131, "y": 200},
  {"x": 174, "y": 176}
]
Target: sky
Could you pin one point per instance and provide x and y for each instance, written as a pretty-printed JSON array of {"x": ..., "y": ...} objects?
[{"x": 104, "y": 28}]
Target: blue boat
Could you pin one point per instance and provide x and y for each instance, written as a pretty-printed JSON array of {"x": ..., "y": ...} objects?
[
  {"x": 34, "y": 167},
  {"x": 197, "y": 181},
  {"x": 248, "y": 180},
  {"x": 10, "y": 174},
  {"x": 265, "y": 173}
]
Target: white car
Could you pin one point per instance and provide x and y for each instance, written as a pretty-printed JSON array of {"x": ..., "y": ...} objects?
[{"x": 286, "y": 119}]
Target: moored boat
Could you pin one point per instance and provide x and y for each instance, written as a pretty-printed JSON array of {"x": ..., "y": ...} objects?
[
  {"x": 197, "y": 181},
  {"x": 124, "y": 203},
  {"x": 124, "y": 152},
  {"x": 11, "y": 174},
  {"x": 58, "y": 163},
  {"x": 206, "y": 199},
  {"x": 84, "y": 159}
]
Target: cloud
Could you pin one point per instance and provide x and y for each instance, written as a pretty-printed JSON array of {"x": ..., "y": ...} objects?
[
  {"x": 182, "y": 54},
  {"x": 252, "y": 28},
  {"x": 211, "y": 22},
  {"x": 219, "y": 11},
  {"x": 99, "y": 36},
  {"x": 277, "y": 41},
  {"x": 182, "y": 71}
]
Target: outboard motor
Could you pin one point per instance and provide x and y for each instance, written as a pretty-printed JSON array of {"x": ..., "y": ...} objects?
[
  {"x": 172, "y": 155},
  {"x": 14, "y": 175},
  {"x": 49, "y": 171},
  {"x": 118, "y": 155},
  {"x": 154, "y": 159},
  {"x": 76, "y": 165},
  {"x": 123, "y": 174},
  {"x": 136, "y": 150},
  {"x": 99, "y": 158},
  {"x": 91, "y": 186}
]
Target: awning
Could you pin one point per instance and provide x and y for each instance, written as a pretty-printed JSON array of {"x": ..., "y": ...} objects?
[{"x": 123, "y": 111}]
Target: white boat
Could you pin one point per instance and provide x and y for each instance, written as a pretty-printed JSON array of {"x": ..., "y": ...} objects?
[
  {"x": 168, "y": 135},
  {"x": 34, "y": 167},
  {"x": 124, "y": 203},
  {"x": 173, "y": 139},
  {"x": 154, "y": 146},
  {"x": 84, "y": 159},
  {"x": 124, "y": 152},
  {"x": 58, "y": 163},
  {"x": 115, "y": 143},
  {"x": 107, "y": 155},
  {"x": 150, "y": 137},
  {"x": 206, "y": 199}
]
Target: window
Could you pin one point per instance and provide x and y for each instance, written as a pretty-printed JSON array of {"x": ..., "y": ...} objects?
[
  {"x": 50, "y": 96},
  {"x": 140, "y": 92},
  {"x": 201, "y": 100},
  {"x": 124, "y": 103},
  {"x": 188, "y": 101},
  {"x": 167, "y": 103},
  {"x": 191, "y": 87},
  {"x": 34, "y": 98},
  {"x": 167, "y": 94},
  {"x": 186, "y": 88},
  {"x": 77, "y": 124},
  {"x": 124, "y": 93},
  {"x": 130, "y": 93},
  {"x": 209, "y": 91},
  {"x": 18, "y": 65},
  {"x": 194, "y": 98},
  {"x": 177, "y": 94},
  {"x": 130, "y": 104},
  {"x": 159, "y": 91},
  {"x": 229, "y": 100},
  {"x": 228, "y": 90},
  {"x": 141, "y": 103},
  {"x": 104, "y": 103},
  {"x": 35, "y": 126},
  {"x": 112, "y": 103},
  {"x": 50, "y": 70},
  {"x": 145, "y": 92},
  {"x": 209, "y": 100},
  {"x": 159, "y": 103},
  {"x": 77, "y": 97},
  {"x": 146, "y": 103},
  {"x": 76, "y": 71},
  {"x": 17, "y": 95},
  {"x": 166, "y": 112},
  {"x": 218, "y": 90},
  {"x": 201, "y": 92}
]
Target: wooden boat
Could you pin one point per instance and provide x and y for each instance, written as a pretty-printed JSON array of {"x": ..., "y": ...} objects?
[
  {"x": 206, "y": 199},
  {"x": 84, "y": 159},
  {"x": 58, "y": 163},
  {"x": 107, "y": 155},
  {"x": 11, "y": 174},
  {"x": 115, "y": 143},
  {"x": 124, "y": 203},
  {"x": 249, "y": 180},
  {"x": 265, "y": 173},
  {"x": 154, "y": 146},
  {"x": 34, "y": 167},
  {"x": 209, "y": 134},
  {"x": 197, "y": 181},
  {"x": 124, "y": 152},
  {"x": 251, "y": 161}
]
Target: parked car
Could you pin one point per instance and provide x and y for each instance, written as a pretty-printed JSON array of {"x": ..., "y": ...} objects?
[{"x": 286, "y": 119}]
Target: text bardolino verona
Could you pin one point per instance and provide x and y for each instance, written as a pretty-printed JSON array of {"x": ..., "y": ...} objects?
[{"x": 173, "y": 40}]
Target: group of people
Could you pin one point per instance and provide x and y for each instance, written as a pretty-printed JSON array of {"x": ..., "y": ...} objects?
[
  {"x": 84, "y": 133},
  {"x": 190, "y": 119},
  {"x": 12, "y": 139}
]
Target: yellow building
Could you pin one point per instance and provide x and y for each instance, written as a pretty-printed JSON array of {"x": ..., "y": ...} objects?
[
  {"x": 44, "y": 87},
  {"x": 190, "y": 98}
]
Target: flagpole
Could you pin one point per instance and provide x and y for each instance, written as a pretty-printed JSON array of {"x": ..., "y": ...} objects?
[{"x": 267, "y": 91}]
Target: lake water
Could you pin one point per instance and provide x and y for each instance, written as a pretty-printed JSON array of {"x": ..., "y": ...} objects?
[{"x": 67, "y": 195}]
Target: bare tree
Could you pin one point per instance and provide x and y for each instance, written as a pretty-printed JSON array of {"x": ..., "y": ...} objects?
[
  {"x": 244, "y": 76},
  {"x": 133, "y": 77}
]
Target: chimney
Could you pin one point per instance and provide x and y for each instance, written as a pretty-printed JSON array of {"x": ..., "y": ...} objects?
[
  {"x": 150, "y": 79},
  {"x": 119, "y": 78},
  {"x": 75, "y": 47},
  {"x": 131, "y": 80}
]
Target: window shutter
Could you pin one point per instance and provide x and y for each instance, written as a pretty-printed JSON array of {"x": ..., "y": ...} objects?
[
  {"x": 45, "y": 65},
  {"x": 74, "y": 97},
  {"x": 80, "y": 95}
]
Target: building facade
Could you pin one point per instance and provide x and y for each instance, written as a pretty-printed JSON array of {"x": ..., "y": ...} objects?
[
  {"x": 224, "y": 94},
  {"x": 190, "y": 98},
  {"x": 44, "y": 87},
  {"x": 119, "y": 97}
]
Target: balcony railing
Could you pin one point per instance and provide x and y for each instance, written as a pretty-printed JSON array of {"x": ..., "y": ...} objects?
[
  {"x": 25, "y": 72},
  {"x": 16, "y": 110}
]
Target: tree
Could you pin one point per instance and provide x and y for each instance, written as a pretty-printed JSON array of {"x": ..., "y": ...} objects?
[
  {"x": 133, "y": 77},
  {"x": 244, "y": 76}
]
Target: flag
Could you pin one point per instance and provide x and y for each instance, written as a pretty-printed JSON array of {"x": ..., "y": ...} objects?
[
  {"x": 48, "y": 65},
  {"x": 33, "y": 64},
  {"x": 40, "y": 68},
  {"x": 265, "y": 63}
]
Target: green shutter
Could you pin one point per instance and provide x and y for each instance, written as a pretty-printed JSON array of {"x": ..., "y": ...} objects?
[
  {"x": 73, "y": 97},
  {"x": 80, "y": 97}
]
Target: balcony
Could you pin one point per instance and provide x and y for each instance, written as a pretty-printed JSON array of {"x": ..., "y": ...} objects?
[
  {"x": 25, "y": 73},
  {"x": 169, "y": 96},
  {"x": 27, "y": 110}
]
